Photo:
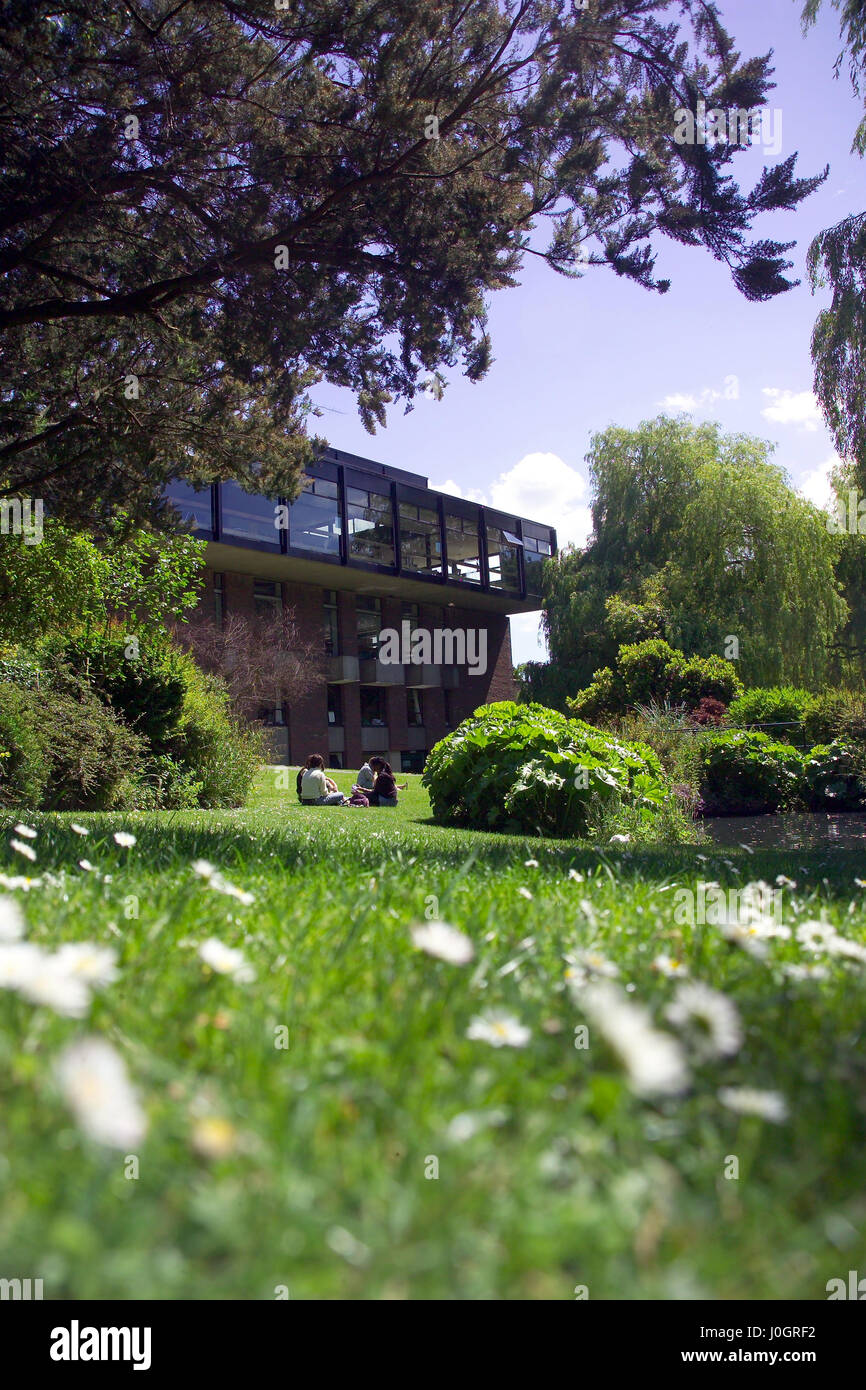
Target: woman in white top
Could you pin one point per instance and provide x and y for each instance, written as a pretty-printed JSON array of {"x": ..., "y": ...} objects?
[{"x": 316, "y": 788}]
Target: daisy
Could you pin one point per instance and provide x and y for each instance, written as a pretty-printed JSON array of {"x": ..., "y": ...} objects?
[
  {"x": 96, "y": 965},
  {"x": 816, "y": 936},
  {"x": 741, "y": 934},
  {"x": 573, "y": 874},
  {"x": 673, "y": 969},
  {"x": 806, "y": 972},
  {"x": 525, "y": 893},
  {"x": 86, "y": 865},
  {"x": 711, "y": 1019},
  {"x": 597, "y": 964},
  {"x": 124, "y": 839},
  {"x": 18, "y": 961},
  {"x": 530, "y": 863},
  {"x": 444, "y": 942},
  {"x": 620, "y": 840},
  {"x": 11, "y": 920},
  {"x": 214, "y": 1137},
  {"x": 654, "y": 1061},
  {"x": 769, "y": 1105},
  {"x": 19, "y": 881},
  {"x": 499, "y": 1029},
  {"x": 48, "y": 982},
  {"x": 224, "y": 960},
  {"x": 842, "y": 946},
  {"x": 95, "y": 1085},
  {"x": 21, "y": 848},
  {"x": 27, "y": 831},
  {"x": 215, "y": 880},
  {"x": 79, "y": 829}
]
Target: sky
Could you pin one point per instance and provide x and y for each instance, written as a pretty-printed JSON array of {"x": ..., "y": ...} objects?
[{"x": 572, "y": 357}]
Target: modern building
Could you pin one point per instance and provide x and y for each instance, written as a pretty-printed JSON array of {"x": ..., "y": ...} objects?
[{"x": 366, "y": 554}]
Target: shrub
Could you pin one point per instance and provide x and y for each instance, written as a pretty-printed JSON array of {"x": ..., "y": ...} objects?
[
  {"x": 833, "y": 778},
  {"x": 165, "y": 785},
  {"x": 670, "y": 735},
  {"x": 709, "y": 713},
  {"x": 766, "y": 707},
  {"x": 212, "y": 746},
  {"x": 93, "y": 756},
  {"x": 142, "y": 675},
  {"x": 696, "y": 678},
  {"x": 24, "y": 761},
  {"x": 524, "y": 767},
  {"x": 745, "y": 773},
  {"x": 837, "y": 714},
  {"x": 643, "y": 668},
  {"x": 603, "y": 696}
]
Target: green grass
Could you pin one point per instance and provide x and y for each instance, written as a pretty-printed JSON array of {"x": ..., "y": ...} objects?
[{"x": 561, "y": 1176}]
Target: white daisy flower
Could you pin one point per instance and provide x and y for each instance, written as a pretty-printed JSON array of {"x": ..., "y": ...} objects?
[
  {"x": 11, "y": 920},
  {"x": 95, "y": 1084},
  {"x": 806, "y": 972},
  {"x": 769, "y": 1105},
  {"x": 225, "y": 960},
  {"x": 86, "y": 960},
  {"x": 18, "y": 961},
  {"x": 26, "y": 830},
  {"x": 671, "y": 968},
  {"x": 598, "y": 964},
  {"x": 203, "y": 867},
  {"x": 742, "y": 934},
  {"x": 51, "y": 984},
  {"x": 530, "y": 863},
  {"x": 443, "y": 941},
  {"x": 784, "y": 882},
  {"x": 816, "y": 936},
  {"x": 219, "y": 884},
  {"x": 86, "y": 865},
  {"x": 654, "y": 1061},
  {"x": 620, "y": 840},
  {"x": 710, "y": 1018},
  {"x": 499, "y": 1029},
  {"x": 573, "y": 874},
  {"x": 843, "y": 946},
  {"x": 525, "y": 893},
  {"x": 124, "y": 839},
  {"x": 79, "y": 829},
  {"x": 19, "y": 881},
  {"x": 21, "y": 848}
]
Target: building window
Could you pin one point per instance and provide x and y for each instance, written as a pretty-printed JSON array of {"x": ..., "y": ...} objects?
[
  {"x": 448, "y": 702},
  {"x": 194, "y": 504},
  {"x": 219, "y": 599},
  {"x": 413, "y": 761},
  {"x": 503, "y": 563},
  {"x": 464, "y": 550},
  {"x": 371, "y": 526},
  {"x": 332, "y": 627},
  {"x": 274, "y": 716},
  {"x": 420, "y": 541},
  {"x": 314, "y": 518},
  {"x": 368, "y": 612},
  {"x": 535, "y": 552},
  {"x": 414, "y": 709},
  {"x": 267, "y": 598},
  {"x": 335, "y": 760},
  {"x": 335, "y": 705},
  {"x": 372, "y": 707},
  {"x": 247, "y": 517}
]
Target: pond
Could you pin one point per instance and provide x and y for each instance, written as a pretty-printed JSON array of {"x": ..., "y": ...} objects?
[{"x": 807, "y": 830}]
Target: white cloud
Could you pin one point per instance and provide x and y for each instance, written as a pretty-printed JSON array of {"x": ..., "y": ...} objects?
[
  {"x": 541, "y": 487},
  {"x": 798, "y": 408},
  {"x": 815, "y": 485},
  {"x": 680, "y": 401}
]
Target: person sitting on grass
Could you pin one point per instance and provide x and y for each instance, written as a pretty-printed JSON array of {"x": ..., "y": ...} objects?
[
  {"x": 365, "y": 779},
  {"x": 316, "y": 788},
  {"x": 385, "y": 787}
]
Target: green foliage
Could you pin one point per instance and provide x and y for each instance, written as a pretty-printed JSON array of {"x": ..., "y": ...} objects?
[
  {"x": 165, "y": 785},
  {"x": 672, "y": 738},
  {"x": 523, "y": 767},
  {"x": 743, "y": 772},
  {"x": 292, "y": 210},
  {"x": 697, "y": 535},
  {"x": 644, "y": 669},
  {"x": 222, "y": 754},
  {"x": 603, "y": 697},
  {"x": 653, "y": 672},
  {"x": 836, "y": 714},
  {"x": 24, "y": 762},
  {"x": 833, "y": 777},
  {"x": 697, "y": 678},
  {"x": 92, "y": 755},
  {"x": 765, "y": 707}
]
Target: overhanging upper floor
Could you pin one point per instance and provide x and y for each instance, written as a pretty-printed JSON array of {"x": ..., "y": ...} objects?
[{"x": 372, "y": 528}]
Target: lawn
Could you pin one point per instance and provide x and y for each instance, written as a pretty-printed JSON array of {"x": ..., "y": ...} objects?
[{"x": 328, "y": 1129}]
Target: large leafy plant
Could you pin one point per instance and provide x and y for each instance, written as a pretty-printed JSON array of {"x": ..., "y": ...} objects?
[
  {"x": 743, "y": 772},
  {"x": 527, "y": 768}
]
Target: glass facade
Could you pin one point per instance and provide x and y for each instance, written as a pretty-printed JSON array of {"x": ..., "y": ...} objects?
[
  {"x": 315, "y": 522},
  {"x": 247, "y": 517},
  {"x": 370, "y": 526},
  {"x": 503, "y": 557},
  {"x": 267, "y": 598},
  {"x": 463, "y": 548},
  {"x": 420, "y": 541},
  {"x": 194, "y": 506},
  {"x": 369, "y": 617},
  {"x": 331, "y": 626},
  {"x": 535, "y": 551}
]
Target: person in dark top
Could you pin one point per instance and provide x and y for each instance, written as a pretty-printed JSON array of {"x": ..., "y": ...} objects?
[{"x": 385, "y": 787}]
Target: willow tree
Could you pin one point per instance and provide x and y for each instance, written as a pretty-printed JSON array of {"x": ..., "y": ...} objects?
[
  {"x": 207, "y": 205},
  {"x": 697, "y": 537}
]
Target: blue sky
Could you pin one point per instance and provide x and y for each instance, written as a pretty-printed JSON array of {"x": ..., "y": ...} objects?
[{"x": 572, "y": 357}]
